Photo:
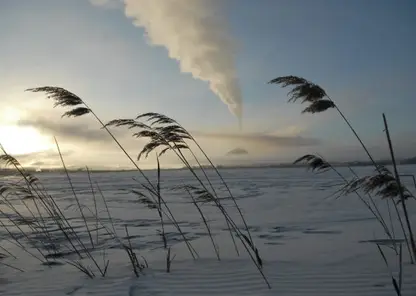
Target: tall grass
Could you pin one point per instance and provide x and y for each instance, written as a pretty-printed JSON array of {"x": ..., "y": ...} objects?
[
  {"x": 40, "y": 231},
  {"x": 404, "y": 194},
  {"x": 156, "y": 204},
  {"x": 384, "y": 183},
  {"x": 64, "y": 98},
  {"x": 319, "y": 164},
  {"x": 164, "y": 135},
  {"x": 189, "y": 190},
  {"x": 53, "y": 213}
]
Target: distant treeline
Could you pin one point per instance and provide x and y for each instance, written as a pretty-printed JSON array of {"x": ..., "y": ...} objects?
[{"x": 8, "y": 171}]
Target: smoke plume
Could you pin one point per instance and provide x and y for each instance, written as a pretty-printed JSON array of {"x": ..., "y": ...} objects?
[{"x": 194, "y": 35}]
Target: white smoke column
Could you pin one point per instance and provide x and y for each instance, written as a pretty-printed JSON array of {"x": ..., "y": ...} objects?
[{"x": 195, "y": 36}]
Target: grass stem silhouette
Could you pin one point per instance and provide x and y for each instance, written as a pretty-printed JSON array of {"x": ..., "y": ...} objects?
[{"x": 401, "y": 191}]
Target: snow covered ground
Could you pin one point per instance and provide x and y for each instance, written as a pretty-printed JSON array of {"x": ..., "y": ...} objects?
[{"x": 310, "y": 242}]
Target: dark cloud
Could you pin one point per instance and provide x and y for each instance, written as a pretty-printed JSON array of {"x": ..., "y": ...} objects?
[
  {"x": 261, "y": 139},
  {"x": 75, "y": 131},
  {"x": 92, "y": 146},
  {"x": 237, "y": 151},
  {"x": 68, "y": 131}
]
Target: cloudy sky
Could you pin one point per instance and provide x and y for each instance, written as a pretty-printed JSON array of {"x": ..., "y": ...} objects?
[{"x": 206, "y": 64}]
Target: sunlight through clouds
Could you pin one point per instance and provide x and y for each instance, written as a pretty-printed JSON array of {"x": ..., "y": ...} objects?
[
  {"x": 19, "y": 140},
  {"x": 22, "y": 140},
  {"x": 9, "y": 115}
]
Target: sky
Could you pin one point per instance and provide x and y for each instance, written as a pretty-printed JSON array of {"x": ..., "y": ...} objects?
[{"x": 127, "y": 57}]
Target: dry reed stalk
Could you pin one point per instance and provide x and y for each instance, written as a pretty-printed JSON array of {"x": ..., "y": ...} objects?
[
  {"x": 94, "y": 200},
  {"x": 85, "y": 249},
  {"x": 48, "y": 202},
  {"x": 319, "y": 164},
  {"x": 171, "y": 137},
  {"x": 312, "y": 93},
  {"x": 399, "y": 185},
  {"x": 182, "y": 133},
  {"x": 204, "y": 220},
  {"x": 64, "y": 98}
]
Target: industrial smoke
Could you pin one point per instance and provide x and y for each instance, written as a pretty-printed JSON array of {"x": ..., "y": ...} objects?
[{"x": 193, "y": 34}]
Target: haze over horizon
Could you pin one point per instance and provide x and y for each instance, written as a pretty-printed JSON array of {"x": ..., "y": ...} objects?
[{"x": 126, "y": 57}]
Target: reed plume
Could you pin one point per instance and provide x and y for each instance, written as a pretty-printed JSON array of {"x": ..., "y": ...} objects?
[
  {"x": 78, "y": 107},
  {"x": 312, "y": 93},
  {"x": 383, "y": 184},
  {"x": 302, "y": 89},
  {"x": 320, "y": 165},
  {"x": 164, "y": 134},
  {"x": 315, "y": 163},
  {"x": 319, "y": 101},
  {"x": 167, "y": 134}
]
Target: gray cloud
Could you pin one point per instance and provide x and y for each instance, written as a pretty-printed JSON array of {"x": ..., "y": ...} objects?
[
  {"x": 88, "y": 144},
  {"x": 237, "y": 151},
  {"x": 48, "y": 158},
  {"x": 73, "y": 131},
  {"x": 92, "y": 146},
  {"x": 261, "y": 139},
  {"x": 83, "y": 132}
]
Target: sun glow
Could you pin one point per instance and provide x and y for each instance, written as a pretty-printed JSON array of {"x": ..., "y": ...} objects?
[
  {"x": 18, "y": 140},
  {"x": 10, "y": 115},
  {"x": 22, "y": 140}
]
